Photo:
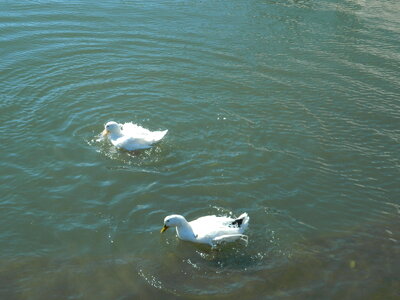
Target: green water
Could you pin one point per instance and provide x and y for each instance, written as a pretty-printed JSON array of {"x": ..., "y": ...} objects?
[{"x": 287, "y": 110}]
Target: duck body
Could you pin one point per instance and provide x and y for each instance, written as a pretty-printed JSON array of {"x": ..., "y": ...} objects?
[
  {"x": 211, "y": 230},
  {"x": 131, "y": 137}
]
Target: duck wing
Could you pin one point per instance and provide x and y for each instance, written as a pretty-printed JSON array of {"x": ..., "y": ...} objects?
[
  {"x": 212, "y": 229},
  {"x": 141, "y": 134},
  {"x": 210, "y": 222},
  {"x": 229, "y": 238},
  {"x": 130, "y": 144},
  {"x": 213, "y": 221}
]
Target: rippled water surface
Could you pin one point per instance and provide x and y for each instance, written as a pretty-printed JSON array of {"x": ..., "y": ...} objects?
[{"x": 287, "y": 110}]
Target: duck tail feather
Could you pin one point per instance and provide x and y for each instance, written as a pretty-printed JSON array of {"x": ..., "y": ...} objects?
[{"x": 242, "y": 221}]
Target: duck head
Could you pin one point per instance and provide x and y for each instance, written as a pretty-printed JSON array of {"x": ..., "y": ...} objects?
[
  {"x": 173, "y": 221},
  {"x": 111, "y": 128}
]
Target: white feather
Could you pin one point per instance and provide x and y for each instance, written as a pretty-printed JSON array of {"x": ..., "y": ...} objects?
[
  {"x": 210, "y": 230},
  {"x": 131, "y": 137}
]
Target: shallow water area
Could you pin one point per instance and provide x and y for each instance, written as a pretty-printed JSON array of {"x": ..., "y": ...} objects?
[{"x": 287, "y": 110}]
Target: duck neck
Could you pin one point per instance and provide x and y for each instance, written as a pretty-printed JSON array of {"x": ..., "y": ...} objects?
[
  {"x": 185, "y": 231},
  {"x": 115, "y": 135}
]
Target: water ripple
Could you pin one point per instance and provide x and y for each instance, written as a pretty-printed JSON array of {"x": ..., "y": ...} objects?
[{"x": 284, "y": 109}]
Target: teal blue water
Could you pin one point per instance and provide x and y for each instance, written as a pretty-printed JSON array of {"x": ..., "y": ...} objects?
[{"x": 287, "y": 110}]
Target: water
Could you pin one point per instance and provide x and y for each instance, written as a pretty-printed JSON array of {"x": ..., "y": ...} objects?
[{"x": 286, "y": 110}]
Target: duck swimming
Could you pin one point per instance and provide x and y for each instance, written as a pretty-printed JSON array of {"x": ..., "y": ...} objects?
[
  {"x": 130, "y": 136},
  {"x": 211, "y": 230}
]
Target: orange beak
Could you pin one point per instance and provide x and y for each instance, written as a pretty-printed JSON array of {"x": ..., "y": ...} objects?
[
  {"x": 105, "y": 132},
  {"x": 164, "y": 228}
]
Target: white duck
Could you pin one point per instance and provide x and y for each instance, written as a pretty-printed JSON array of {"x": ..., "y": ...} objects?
[
  {"x": 210, "y": 230},
  {"x": 130, "y": 136}
]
